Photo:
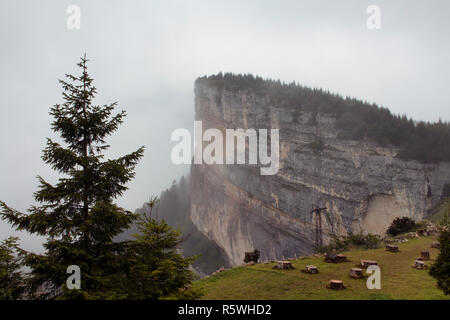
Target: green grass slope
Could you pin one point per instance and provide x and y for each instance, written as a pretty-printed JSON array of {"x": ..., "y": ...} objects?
[
  {"x": 398, "y": 279},
  {"x": 439, "y": 213}
]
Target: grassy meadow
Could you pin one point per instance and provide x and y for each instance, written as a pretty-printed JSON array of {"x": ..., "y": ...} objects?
[{"x": 398, "y": 279}]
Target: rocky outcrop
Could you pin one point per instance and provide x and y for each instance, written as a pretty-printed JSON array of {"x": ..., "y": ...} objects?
[{"x": 364, "y": 186}]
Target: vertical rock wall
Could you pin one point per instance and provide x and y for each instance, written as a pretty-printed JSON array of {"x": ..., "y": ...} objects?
[{"x": 362, "y": 184}]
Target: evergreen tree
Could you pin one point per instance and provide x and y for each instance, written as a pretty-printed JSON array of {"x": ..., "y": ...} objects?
[
  {"x": 11, "y": 280},
  {"x": 158, "y": 270},
  {"x": 77, "y": 214},
  {"x": 441, "y": 268}
]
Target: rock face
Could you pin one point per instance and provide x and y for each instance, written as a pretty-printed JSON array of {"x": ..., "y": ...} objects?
[{"x": 363, "y": 185}]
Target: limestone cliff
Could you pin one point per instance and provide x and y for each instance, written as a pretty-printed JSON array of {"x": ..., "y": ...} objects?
[{"x": 363, "y": 185}]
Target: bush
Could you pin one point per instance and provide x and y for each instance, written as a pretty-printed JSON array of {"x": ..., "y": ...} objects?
[
  {"x": 252, "y": 256},
  {"x": 401, "y": 225},
  {"x": 336, "y": 245},
  {"x": 369, "y": 241},
  {"x": 339, "y": 244}
]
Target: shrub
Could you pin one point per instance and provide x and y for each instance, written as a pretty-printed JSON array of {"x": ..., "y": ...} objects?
[
  {"x": 339, "y": 244},
  {"x": 336, "y": 245},
  {"x": 369, "y": 241},
  {"x": 401, "y": 225},
  {"x": 252, "y": 256}
]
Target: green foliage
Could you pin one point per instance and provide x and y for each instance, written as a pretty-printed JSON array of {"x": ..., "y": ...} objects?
[
  {"x": 356, "y": 120},
  {"x": 80, "y": 220},
  {"x": 77, "y": 214},
  {"x": 441, "y": 268},
  {"x": 11, "y": 280},
  {"x": 369, "y": 241},
  {"x": 339, "y": 244},
  {"x": 157, "y": 269},
  {"x": 175, "y": 208},
  {"x": 401, "y": 225}
]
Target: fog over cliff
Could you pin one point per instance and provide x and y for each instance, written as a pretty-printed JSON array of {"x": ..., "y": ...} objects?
[{"x": 147, "y": 54}]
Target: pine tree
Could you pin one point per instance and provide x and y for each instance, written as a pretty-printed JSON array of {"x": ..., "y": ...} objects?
[
  {"x": 441, "y": 268},
  {"x": 158, "y": 269},
  {"x": 77, "y": 214},
  {"x": 11, "y": 280}
]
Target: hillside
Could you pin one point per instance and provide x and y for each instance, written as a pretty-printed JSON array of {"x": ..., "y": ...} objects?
[
  {"x": 362, "y": 180},
  {"x": 440, "y": 211},
  {"x": 398, "y": 279}
]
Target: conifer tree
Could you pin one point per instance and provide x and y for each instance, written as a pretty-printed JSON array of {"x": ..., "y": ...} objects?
[
  {"x": 158, "y": 269},
  {"x": 440, "y": 270},
  {"x": 11, "y": 280},
  {"x": 78, "y": 214}
]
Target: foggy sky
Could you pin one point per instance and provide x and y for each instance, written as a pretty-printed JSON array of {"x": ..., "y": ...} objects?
[{"x": 147, "y": 54}]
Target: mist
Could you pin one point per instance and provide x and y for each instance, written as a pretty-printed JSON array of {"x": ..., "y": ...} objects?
[{"x": 147, "y": 54}]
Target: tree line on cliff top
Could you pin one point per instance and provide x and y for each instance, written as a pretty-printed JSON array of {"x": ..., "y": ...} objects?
[{"x": 356, "y": 120}]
